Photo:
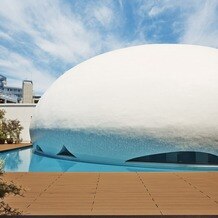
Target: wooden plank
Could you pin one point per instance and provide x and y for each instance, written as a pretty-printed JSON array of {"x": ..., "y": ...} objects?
[
  {"x": 9, "y": 147},
  {"x": 116, "y": 193}
]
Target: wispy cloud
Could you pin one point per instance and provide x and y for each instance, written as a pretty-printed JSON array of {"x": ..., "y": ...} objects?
[
  {"x": 201, "y": 27},
  {"x": 4, "y": 36},
  {"x": 54, "y": 31},
  {"x": 18, "y": 67},
  {"x": 53, "y": 27},
  {"x": 43, "y": 38}
]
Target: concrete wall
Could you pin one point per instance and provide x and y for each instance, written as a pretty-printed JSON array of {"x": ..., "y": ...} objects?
[{"x": 22, "y": 112}]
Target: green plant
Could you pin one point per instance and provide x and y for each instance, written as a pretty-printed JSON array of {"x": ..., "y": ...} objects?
[
  {"x": 10, "y": 140},
  {"x": 2, "y": 133},
  {"x": 17, "y": 128},
  {"x": 6, "y": 189},
  {"x": 2, "y": 137},
  {"x": 10, "y": 130},
  {"x": 2, "y": 114}
]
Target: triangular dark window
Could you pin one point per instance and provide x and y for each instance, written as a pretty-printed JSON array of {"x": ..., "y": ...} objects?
[
  {"x": 64, "y": 152},
  {"x": 38, "y": 148}
]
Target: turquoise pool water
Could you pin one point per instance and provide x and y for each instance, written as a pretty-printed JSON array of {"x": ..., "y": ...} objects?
[{"x": 24, "y": 160}]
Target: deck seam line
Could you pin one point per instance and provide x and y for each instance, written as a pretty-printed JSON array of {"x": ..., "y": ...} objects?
[
  {"x": 199, "y": 190},
  {"x": 147, "y": 191},
  {"x": 93, "y": 202},
  {"x": 40, "y": 193}
]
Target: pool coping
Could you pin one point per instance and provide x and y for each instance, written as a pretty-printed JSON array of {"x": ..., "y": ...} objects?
[{"x": 11, "y": 147}]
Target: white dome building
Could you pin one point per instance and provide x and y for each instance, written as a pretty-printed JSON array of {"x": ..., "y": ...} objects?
[{"x": 149, "y": 103}]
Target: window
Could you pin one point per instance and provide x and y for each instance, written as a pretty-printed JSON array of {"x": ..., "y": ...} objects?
[
  {"x": 64, "y": 152},
  {"x": 181, "y": 157},
  {"x": 38, "y": 148}
]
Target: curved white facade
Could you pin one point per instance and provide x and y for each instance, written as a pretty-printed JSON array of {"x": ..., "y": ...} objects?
[{"x": 132, "y": 102}]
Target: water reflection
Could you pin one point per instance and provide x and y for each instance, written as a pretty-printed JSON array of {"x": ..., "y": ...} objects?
[
  {"x": 13, "y": 161},
  {"x": 41, "y": 163},
  {"x": 16, "y": 161},
  {"x": 27, "y": 161}
]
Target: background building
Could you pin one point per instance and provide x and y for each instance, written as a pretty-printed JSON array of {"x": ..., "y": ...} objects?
[
  {"x": 27, "y": 91},
  {"x": 14, "y": 92},
  {"x": 10, "y": 94},
  {"x": 18, "y": 103},
  {"x": 36, "y": 99}
]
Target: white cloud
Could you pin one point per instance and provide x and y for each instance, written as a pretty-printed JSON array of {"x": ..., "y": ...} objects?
[
  {"x": 52, "y": 28},
  {"x": 195, "y": 22},
  {"x": 201, "y": 27},
  {"x": 56, "y": 32},
  {"x": 104, "y": 15},
  {"x": 5, "y": 36},
  {"x": 159, "y": 7},
  {"x": 19, "y": 68}
]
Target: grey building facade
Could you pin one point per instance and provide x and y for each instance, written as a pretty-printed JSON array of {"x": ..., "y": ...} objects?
[{"x": 10, "y": 94}]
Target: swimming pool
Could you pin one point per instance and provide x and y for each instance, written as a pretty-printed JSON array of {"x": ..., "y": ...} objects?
[{"x": 25, "y": 160}]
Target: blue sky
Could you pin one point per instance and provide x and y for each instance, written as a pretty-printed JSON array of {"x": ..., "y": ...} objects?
[{"x": 41, "y": 39}]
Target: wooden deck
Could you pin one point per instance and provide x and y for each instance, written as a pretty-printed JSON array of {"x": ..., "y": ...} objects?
[
  {"x": 116, "y": 193},
  {"x": 8, "y": 147}
]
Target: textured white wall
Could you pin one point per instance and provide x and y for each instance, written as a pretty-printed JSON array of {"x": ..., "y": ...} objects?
[
  {"x": 141, "y": 88},
  {"x": 132, "y": 102},
  {"x": 22, "y": 112}
]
